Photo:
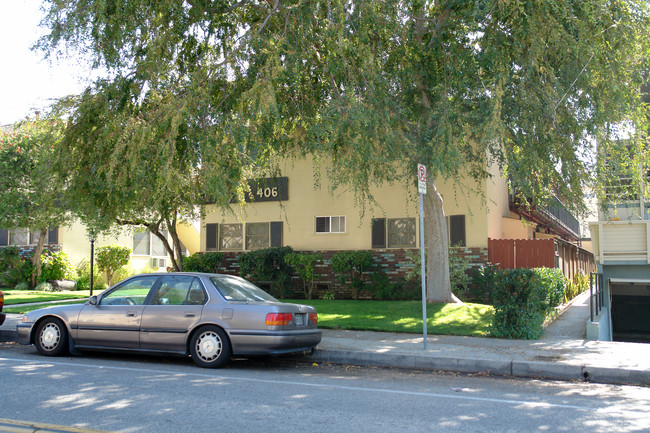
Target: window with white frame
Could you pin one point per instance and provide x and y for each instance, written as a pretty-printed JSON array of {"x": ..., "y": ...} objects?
[
  {"x": 146, "y": 243},
  {"x": 231, "y": 237},
  {"x": 330, "y": 224}
]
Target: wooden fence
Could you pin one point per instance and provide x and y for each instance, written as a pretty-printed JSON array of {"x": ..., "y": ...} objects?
[{"x": 536, "y": 253}]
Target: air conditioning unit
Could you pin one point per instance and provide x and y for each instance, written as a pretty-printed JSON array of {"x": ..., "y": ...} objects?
[{"x": 158, "y": 262}]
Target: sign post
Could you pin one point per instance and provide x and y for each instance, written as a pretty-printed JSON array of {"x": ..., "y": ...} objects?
[{"x": 422, "y": 190}]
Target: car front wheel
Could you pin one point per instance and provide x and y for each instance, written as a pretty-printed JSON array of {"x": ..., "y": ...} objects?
[
  {"x": 210, "y": 347},
  {"x": 51, "y": 337}
]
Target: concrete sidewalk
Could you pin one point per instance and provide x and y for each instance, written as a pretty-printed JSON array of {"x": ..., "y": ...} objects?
[{"x": 562, "y": 354}]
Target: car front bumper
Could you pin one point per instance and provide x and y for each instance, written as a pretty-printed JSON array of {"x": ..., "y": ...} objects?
[{"x": 24, "y": 331}]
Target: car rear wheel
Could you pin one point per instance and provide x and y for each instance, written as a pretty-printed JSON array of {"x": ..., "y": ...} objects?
[
  {"x": 210, "y": 347},
  {"x": 51, "y": 337}
]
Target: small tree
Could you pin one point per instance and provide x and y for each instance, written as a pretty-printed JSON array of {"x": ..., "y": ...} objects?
[
  {"x": 110, "y": 258},
  {"x": 351, "y": 266},
  {"x": 305, "y": 266}
]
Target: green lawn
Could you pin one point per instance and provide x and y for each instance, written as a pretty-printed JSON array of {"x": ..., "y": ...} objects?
[
  {"x": 403, "y": 316},
  {"x": 26, "y": 296},
  {"x": 384, "y": 316}
]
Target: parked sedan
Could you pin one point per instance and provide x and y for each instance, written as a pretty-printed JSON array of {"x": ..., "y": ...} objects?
[{"x": 207, "y": 316}]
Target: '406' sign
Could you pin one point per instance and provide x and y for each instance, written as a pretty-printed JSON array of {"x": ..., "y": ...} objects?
[{"x": 268, "y": 189}]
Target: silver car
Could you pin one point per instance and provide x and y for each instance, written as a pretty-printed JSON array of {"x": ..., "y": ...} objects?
[{"x": 207, "y": 316}]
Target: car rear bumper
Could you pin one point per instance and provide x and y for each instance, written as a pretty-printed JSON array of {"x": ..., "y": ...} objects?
[
  {"x": 274, "y": 342},
  {"x": 2, "y": 318}
]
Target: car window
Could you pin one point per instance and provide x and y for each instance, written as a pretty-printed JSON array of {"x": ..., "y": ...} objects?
[
  {"x": 238, "y": 289},
  {"x": 178, "y": 290},
  {"x": 131, "y": 292}
]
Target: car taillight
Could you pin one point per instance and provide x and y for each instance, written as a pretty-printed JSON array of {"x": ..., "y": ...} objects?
[
  {"x": 278, "y": 319},
  {"x": 2, "y": 300},
  {"x": 313, "y": 318}
]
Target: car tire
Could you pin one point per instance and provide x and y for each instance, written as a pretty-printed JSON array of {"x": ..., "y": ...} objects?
[
  {"x": 210, "y": 347},
  {"x": 51, "y": 337}
]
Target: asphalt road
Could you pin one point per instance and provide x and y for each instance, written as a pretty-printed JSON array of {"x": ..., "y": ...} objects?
[{"x": 149, "y": 394}]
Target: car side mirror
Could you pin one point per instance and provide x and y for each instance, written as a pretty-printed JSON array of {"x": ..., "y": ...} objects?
[{"x": 92, "y": 300}]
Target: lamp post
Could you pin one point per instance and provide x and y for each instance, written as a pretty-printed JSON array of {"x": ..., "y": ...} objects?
[{"x": 92, "y": 261}]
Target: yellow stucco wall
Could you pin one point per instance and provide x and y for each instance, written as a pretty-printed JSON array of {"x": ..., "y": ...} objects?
[{"x": 306, "y": 202}]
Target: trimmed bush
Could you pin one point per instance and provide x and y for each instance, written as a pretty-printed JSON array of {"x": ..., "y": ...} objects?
[
  {"x": 267, "y": 266},
  {"x": 522, "y": 300},
  {"x": 351, "y": 266},
  {"x": 111, "y": 258},
  {"x": 203, "y": 262}
]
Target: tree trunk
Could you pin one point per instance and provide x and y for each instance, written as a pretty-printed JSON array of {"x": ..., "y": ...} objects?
[
  {"x": 437, "y": 244},
  {"x": 36, "y": 259}
]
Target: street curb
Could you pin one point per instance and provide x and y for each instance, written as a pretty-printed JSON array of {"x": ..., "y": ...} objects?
[{"x": 513, "y": 368}]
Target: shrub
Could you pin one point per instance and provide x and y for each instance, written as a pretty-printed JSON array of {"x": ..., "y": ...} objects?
[
  {"x": 518, "y": 304},
  {"x": 579, "y": 284},
  {"x": 14, "y": 269},
  {"x": 554, "y": 284},
  {"x": 202, "y": 262},
  {"x": 459, "y": 279},
  {"x": 522, "y": 300},
  {"x": 352, "y": 266},
  {"x": 483, "y": 283},
  {"x": 305, "y": 266},
  {"x": 110, "y": 258},
  {"x": 123, "y": 273},
  {"x": 45, "y": 287},
  {"x": 55, "y": 266},
  {"x": 83, "y": 277},
  {"x": 268, "y": 266}
]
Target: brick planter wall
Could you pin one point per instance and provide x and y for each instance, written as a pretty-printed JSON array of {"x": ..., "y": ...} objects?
[{"x": 395, "y": 263}]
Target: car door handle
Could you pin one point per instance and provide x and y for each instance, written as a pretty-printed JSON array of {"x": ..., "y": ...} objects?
[
  {"x": 190, "y": 315},
  {"x": 131, "y": 314}
]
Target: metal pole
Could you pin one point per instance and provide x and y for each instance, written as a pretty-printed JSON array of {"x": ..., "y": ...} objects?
[
  {"x": 423, "y": 272},
  {"x": 92, "y": 262}
]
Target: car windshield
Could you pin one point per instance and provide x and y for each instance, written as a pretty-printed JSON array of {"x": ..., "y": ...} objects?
[{"x": 238, "y": 289}]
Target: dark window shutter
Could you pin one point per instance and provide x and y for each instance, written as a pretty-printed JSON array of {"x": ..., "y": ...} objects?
[
  {"x": 276, "y": 234},
  {"x": 211, "y": 236},
  {"x": 457, "y": 231},
  {"x": 4, "y": 237},
  {"x": 53, "y": 236},
  {"x": 379, "y": 233}
]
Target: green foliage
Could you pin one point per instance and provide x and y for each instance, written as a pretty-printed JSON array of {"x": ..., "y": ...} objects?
[
  {"x": 83, "y": 277},
  {"x": 458, "y": 276},
  {"x": 523, "y": 298},
  {"x": 554, "y": 284},
  {"x": 13, "y": 268},
  {"x": 383, "y": 288},
  {"x": 203, "y": 262},
  {"x": 55, "y": 266},
  {"x": 352, "y": 266},
  {"x": 579, "y": 284},
  {"x": 328, "y": 295},
  {"x": 110, "y": 258},
  {"x": 45, "y": 287},
  {"x": 268, "y": 266},
  {"x": 483, "y": 281},
  {"x": 305, "y": 266},
  {"x": 124, "y": 272}
]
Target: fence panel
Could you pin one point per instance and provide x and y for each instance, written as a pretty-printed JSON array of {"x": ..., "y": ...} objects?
[{"x": 535, "y": 253}]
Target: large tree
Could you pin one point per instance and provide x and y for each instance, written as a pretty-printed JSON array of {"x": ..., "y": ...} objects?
[
  {"x": 30, "y": 188},
  {"x": 374, "y": 86}
]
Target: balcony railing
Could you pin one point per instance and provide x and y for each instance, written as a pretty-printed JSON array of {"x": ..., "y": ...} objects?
[{"x": 554, "y": 215}]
